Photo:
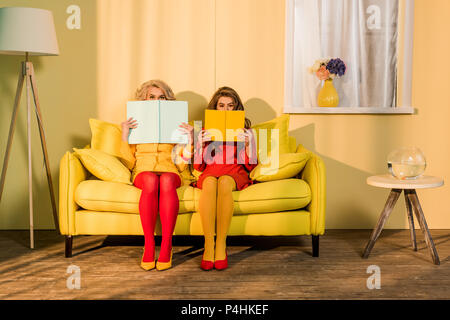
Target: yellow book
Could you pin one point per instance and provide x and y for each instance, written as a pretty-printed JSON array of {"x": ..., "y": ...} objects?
[{"x": 224, "y": 125}]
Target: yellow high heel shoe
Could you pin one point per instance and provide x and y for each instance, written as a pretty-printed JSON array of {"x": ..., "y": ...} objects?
[
  {"x": 164, "y": 265},
  {"x": 147, "y": 265}
]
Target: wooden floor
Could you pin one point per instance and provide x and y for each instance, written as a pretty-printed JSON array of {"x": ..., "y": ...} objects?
[{"x": 260, "y": 268}]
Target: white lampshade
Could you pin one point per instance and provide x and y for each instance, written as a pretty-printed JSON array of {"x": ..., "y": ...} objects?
[{"x": 27, "y": 30}]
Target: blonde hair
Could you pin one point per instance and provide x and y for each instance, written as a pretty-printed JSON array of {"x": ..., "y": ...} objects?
[{"x": 141, "y": 92}]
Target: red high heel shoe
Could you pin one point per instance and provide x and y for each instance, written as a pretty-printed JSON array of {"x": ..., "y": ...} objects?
[
  {"x": 205, "y": 264},
  {"x": 221, "y": 264}
]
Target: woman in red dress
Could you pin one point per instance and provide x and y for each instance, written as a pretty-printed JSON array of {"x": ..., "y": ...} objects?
[{"x": 225, "y": 167}]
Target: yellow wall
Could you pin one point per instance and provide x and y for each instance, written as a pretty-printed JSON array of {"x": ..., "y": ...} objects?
[{"x": 197, "y": 46}]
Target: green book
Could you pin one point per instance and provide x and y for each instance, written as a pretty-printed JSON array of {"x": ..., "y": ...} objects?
[{"x": 158, "y": 121}]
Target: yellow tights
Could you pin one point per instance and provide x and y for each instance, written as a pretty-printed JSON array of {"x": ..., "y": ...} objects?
[{"x": 216, "y": 199}]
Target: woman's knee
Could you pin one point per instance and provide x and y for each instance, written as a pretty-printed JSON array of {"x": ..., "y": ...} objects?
[
  {"x": 210, "y": 183},
  {"x": 147, "y": 181},
  {"x": 169, "y": 181},
  {"x": 226, "y": 183}
]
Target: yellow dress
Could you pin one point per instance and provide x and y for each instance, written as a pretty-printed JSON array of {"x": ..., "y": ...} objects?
[{"x": 154, "y": 157}]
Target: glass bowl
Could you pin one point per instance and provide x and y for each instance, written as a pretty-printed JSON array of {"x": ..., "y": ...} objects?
[{"x": 406, "y": 163}]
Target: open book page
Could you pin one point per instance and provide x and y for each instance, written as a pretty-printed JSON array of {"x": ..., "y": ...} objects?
[
  {"x": 171, "y": 115},
  {"x": 146, "y": 113},
  {"x": 235, "y": 120},
  {"x": 158, "y": 121},
  {"x": 217, "y": 122}
]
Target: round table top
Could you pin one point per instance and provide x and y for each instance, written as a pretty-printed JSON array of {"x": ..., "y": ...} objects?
[{"x": 388, "y": 181}]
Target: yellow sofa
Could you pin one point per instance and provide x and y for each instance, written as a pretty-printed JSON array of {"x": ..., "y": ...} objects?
[{"x": 289, "y": 207}]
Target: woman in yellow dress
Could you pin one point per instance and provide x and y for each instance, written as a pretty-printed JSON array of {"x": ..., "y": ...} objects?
[{"x": 157, "y": 173}]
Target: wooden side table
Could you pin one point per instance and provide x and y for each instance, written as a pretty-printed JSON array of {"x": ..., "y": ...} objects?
[{"x": 412, "y": 205}]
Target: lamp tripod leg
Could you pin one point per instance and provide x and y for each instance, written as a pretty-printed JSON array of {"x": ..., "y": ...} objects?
[
  {"x": 11, "y": 131},
  {"x": 44, "y": 146}
]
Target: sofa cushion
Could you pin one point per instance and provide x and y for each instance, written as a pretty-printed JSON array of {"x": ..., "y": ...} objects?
[
  {"x": 100, "y": 195},
  {"x": 288, "y": 166},
  {"x": 103, "y": 165},
  {"x": 272, "y": 196}
]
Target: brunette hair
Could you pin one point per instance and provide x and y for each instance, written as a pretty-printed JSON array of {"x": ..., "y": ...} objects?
[
  {"x": 141, "y": 92},
  {"x": 231, "y": 93}
]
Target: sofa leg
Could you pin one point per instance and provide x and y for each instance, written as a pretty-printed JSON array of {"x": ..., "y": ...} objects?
[
  {"x": 315, "y": 246},
  {"x": 69, "y": 241}
]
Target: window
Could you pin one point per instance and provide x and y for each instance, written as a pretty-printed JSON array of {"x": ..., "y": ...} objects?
[{"x": 372, "y": 37}]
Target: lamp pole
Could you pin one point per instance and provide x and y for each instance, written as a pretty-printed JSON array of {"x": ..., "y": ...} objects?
[{"x": 30, "y": 164}]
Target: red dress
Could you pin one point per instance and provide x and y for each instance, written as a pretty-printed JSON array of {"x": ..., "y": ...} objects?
[{"x": 225, "y": 158}]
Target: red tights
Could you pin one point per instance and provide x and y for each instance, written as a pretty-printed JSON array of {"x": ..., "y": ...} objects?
[{"x": 150, "y": 183}]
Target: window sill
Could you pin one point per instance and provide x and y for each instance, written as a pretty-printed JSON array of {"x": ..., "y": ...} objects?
[{"x": 355, "y": 110}]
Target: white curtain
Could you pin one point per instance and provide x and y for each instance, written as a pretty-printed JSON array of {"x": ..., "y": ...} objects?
[{"x": 363, "y": 33}]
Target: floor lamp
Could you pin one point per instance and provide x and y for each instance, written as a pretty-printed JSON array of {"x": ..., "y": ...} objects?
[{"x": 29, "y": 32}]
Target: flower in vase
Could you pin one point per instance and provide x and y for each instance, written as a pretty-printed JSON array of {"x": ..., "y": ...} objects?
[
  {"x": 323, "y": 73},
  {"x": 336, "y": 66},
  {"x": 317, "y": 65},
  {"x": 328, "y": 68}
]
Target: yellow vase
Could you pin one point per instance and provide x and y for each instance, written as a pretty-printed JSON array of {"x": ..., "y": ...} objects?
[{"x": 328, "y": 96}]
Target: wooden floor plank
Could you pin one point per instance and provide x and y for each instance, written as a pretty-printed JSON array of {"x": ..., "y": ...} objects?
[{"x": 279, "y": 268}]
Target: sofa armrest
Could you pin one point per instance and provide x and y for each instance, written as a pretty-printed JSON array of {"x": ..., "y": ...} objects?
[
  {"x": 71, "y": 173},
  {"x": 315, "y": 175}
]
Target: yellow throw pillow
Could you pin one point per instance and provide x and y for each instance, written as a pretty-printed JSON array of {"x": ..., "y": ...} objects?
[
  {"x": 103, "y": 165},
  {"x": 106, "y": 136},
  {"x": 290, "y": 164},
  {"x": 282, "y": 124}
]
